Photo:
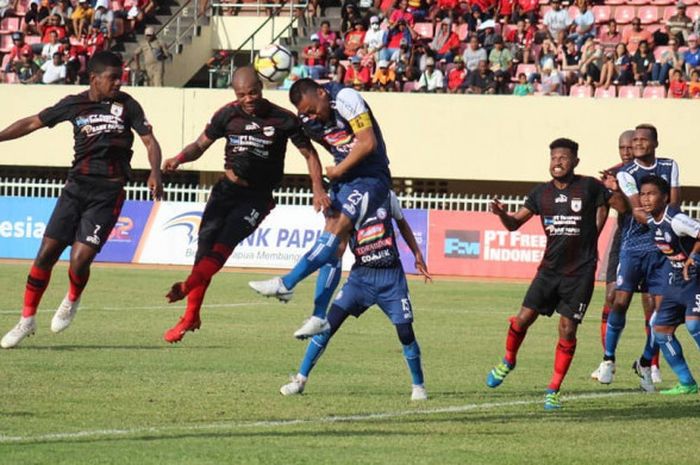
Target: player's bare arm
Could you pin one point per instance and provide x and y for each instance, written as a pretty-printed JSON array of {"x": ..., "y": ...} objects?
[
  {"x": 636, "y": 208},
  {"x": 410, "y": 238},
  {"x": 513, "y": 221},
  {"x": 21, "y": 128},
  {"x": 693, "y": 259},
  {"x": 675, "y": 198},
  {"x": 365, "y": 143},
  {"x": 321, "y": 200},
  {"x": 190, "y": 153},
  {"x": 601, "y": 216},
  {"x": 155, "y": 184}
]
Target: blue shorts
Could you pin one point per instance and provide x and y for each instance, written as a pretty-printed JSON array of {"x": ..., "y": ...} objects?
[
  {"x": 356, "y": 198},
  {"x": 385, "y": 287},
  {"x": 641, "y": 271},
  {"x": 678, "y": 302}
]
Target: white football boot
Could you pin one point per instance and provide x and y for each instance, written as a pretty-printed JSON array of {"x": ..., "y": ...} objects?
[
  {"x": 606, "y": 370},
  {"x": 25, "y": 328},
  {"x": 656, "y": 375},
  {"x": 64, "y": 315},
  {"x": 311, "y": 327},
  {"x": 418, "y": 392},
  {"x": 272, "y": 288},
  {"x": 644, "y": 374},
  {"x": 295, "y": 386}
]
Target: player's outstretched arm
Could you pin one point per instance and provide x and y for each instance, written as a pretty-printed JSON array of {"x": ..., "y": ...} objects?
[
  {"x": 410, "y": 238},
  {"x": 601, "y": 216},
  {"x": 190, "y": 153},
  {"x": 365, "y": 143},
  {"x": 21, "y": 128},
  {"x": 321, "y": 200},
  {"x": 511, "y": 222},
  {"x": 155, "y": 183}
]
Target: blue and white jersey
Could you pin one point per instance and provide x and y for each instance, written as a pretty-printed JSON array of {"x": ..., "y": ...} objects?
[
  {"x": 374, "y": 241},
  {"x": 635, "y": 236},
  {"x": 349, "y": 114},
  {"x": 675, "y": 235}
]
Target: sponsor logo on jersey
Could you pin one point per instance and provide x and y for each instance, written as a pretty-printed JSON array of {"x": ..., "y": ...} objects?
[
  {"x": 95, "y": 124},
  {"x": 370, "y": 233},
  {"x": 252, "y": 218},
  {"x": 462, "y": 244},
  {"x": 338, "y": 138},
  {"x": 189, "y": 221},
  {"x": 252, "y": 126},
  {"x": 269, "y": 131},
  {"x": 117, "y": 109},
  {"x": 381, "y": 213},
  {"x": 576, "y": 205},
  {"x": 561, "y": 198}
]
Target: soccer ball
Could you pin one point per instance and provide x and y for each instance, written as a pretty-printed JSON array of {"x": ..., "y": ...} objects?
[{"x": 273, "y": 63}]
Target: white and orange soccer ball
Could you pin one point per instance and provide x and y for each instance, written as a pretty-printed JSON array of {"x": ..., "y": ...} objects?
[{"x": 273, "y": 63}]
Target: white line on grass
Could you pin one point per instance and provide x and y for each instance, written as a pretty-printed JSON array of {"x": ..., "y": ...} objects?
[
  {"x": 110, "y": 433},
  {"x": 153, "y": 307}
]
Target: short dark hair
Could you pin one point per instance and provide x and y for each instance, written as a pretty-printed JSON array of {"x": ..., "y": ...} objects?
[
  {"x": 302, "y": 87},
  {"x": 650, "y": 128},
  {"x": 658, "y": 181},
  {"x": 564, "y": 143},
  {"x": 103, "y": 60}
]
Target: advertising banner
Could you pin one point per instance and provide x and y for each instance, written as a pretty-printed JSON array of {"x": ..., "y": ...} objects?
[
  {"x": 22, "y": 224},
  {"x": 124, "y": 238},
  {"x": 477, "y": 244},
  {"x": 418, "y": 220}
]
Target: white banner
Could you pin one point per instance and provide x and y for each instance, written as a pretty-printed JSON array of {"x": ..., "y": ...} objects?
[{"x": 282, "y": 238}]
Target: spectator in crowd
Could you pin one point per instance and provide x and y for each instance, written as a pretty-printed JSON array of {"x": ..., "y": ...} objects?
[
  {"x": 473, "y": 54},
  {"x": 584, "y": 25},
  {"x": 432, "y": 79},
  {"x": 677, "y": 88},
  {"x": 609, "y": 37},
  {"x": 569, "y": 58},
  {"x": 154, "y": 55},
  {"x": 632, "y": 37},
  {"x": 694, "y": 84},
  {"x": 220, "y": 68},
  {"x": 76, "y": 66},
  {"x": 54, "y": 71},
  {"x": 298, "y": 71},
  {"x": 520, "y": 40},
  {"x": 357, "y": 76},
  {"x": 487, "y": 35},
  {"x": 680, "y": 25},
  {"x": 643, "y": 63},
  {"x": 486, "y": 8},
  {"x": 350, "y": 16},
  {"x": 8, "y": 8},
  {"x": 81, "y": 17},
  {"x": 326, "y": 37},
  {"x": 691, "y": 57},
  {"x": 591, "y": 63},
  {"x": 525, "y": 9},
  {"x": 19, "y": 47},
  {"x": 556, "y": 19},
  {"x": 64, "y": 9},
  {"x": 52, "y": 23},
  {"x": 27, "y": 70},
  {"x": 106, "y": 22},
  {"x": 354, "y": 39},
  {"x": 442, "y": 9},
  {"x": 95, "y": 41},
  {"x": 445, "y": 44},
  {"x": 54, "y": 46},
  {"x": 401, "y": 56},
  {"x": 547, "y": 56},
  {"x": 401, "y": 13},
  {"x": 402, "y": 62},
  {"x": 336, "y": 71},
  {"x": 457, "y": 76},
  {"x": 33, "y": 17},
  {"x": 551, "y": 81},
  {"x": 607, "y": 72},
  {"x": 314, "y": 57},
  {"x": 384, "y": 78},
  {"x": 669, "y": 59},
  {"x": 623, "y": 66},
  {"x": 419, "y": 57},
  {"x": 482, "y": 81},
  {"x": 134, "y": 13},
  {"x": 500, "y": 62},
  {"x": 505, "y": 11},
  {"x": 523, "y": 88},
  {"x": 399, "y": 34},
  {"x": 375, "y": 40}
]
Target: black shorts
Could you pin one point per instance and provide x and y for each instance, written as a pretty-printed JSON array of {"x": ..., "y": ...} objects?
[
  {"x": 613, "y": 258},
  {"x": 86, "y": 211},
  {"x": 232, "y": 213},
  {"x": 568, "y": 295}
]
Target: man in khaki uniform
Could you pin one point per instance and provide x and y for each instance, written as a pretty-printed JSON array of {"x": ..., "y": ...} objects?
[{"x": 154, "y": 55}]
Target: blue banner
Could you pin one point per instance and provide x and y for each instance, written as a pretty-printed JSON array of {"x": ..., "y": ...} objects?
[
  {"x": 124, "y": 238},
  {"x": 22, "y": 224},
  {"x": 418, "y": 220}
]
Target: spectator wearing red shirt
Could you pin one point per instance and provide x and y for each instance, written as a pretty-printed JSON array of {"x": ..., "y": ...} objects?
[
  {"x": 694, "y": 84},
  {"x": 443, "y": 9},
  {"x": 95, "y": 40},
  {"x": 610, "y": 37},
  {"x": 315, "y": 58},
  {"x": 401, "y": 13},
  {"x": 505, "y": 9},
  {"x": 526, "y": 9},
  {"x": 354, "y": 39},
  {"x": 18, "y": 49},
  {"x": 49, "y": 24},
  {"x": 520, "y": 40},
  {"x": 457, "y": 76},
  {"x": 677, "y": 88},
  {"x": 632, "y": 37},
  {"x": 486, "y": 7},
  {"x": 358, "y": 76},
  {"x": 445, "y": 44}
]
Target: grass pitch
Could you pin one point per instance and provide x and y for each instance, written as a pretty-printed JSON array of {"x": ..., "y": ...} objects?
[{"x": 110, "y": 391}]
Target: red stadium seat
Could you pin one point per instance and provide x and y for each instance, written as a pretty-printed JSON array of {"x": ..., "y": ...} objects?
[
  {"x": 410, "y": 86},
  {"x": 11, "y": 78},
  {"x": 31, "y": 40},
  {"x": 601, "y": 92},
  {"x": 528, "y": 69},
  {"x": 424, "y": 29},
  {"x": 615, "y": 2},
  {"x": 544, "y": 10},
  {"x": 662, "y": 2},
  {"x": 581, "y": 91},
  {"x": 624, "y": 14},
  {"x": 654, "y": 92},
  {"x": 5, "y": 43},
  {"x": 629, "y": 92},
  {"x": 692, "y": 2},
  {"x": 648, "y": 14},
  {"x": 5, "y": 61},
  {"x": 574, "y": 12},
  {"x": 668, "y": 12},
  {"x": 508, "y": 28},
  {"x": 638, "y": 2},
  {"x": 652, "y": 28},
  {"x": 9, "y": 25},
  {"x": 602, "y": 13},
  {"x": 693, "y": 13},
  {"x": 463, "y": 31},
  {"x": 659, "y": 51}
]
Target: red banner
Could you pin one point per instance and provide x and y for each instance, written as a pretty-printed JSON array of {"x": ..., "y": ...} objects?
[{"x": 477, "y": 244}]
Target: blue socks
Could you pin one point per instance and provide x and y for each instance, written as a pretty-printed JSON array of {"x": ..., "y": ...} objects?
[
  {"x": 327, "y": 281},
  {"x": 650, "y": 345},
  {"x": 673, "y": 353},
  {"x": 616, "y": 323},
  {"x": 314, "y": 351},
  {"x": 322, "y": 252},
  {"x": 693, "y": 327},
  {"x": 412, "y": 354}
]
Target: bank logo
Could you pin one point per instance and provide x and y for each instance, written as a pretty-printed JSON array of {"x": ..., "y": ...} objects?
[
  {"x": 462, "y": 244},
  {"x": 189, "y": 221}
]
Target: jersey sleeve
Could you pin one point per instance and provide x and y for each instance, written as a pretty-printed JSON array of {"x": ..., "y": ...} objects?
[
  {"x": 683, "y": 225},
  {"x": 298, "y": 136},
  {"x": 396, "y": 211},
  {"x": 62, "y": 111},
  {"x": 216, "y": 127},
  {"x": 137, "y": 118},
  {"x": 675, "y": 175},
  {"x": 627, "y": 183},
  {"x": 601, "y": 194},
  {"x": 533, "y": 200},
  {"x": 352, "y": 107}
]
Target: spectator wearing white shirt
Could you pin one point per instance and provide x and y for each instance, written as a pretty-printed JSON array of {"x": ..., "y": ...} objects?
[
  {"x": 375, "y": 40},
  {"x": 432, "y": 80},
  {"x": 556, "y": 19},
  {"x": 584, "y": 25},
  {"x": 54, "y": 71},
  {"x": 54, "y": 46},
  {"x": 473, "y": 54}
]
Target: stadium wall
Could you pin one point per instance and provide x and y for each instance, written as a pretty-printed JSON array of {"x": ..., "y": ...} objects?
[{"x": 489, "y": 138}]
